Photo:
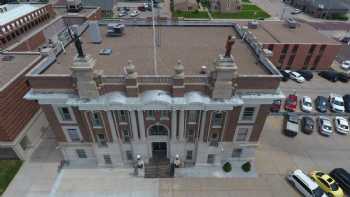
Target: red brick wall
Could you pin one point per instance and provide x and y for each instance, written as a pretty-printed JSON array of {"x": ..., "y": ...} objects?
[
  {"x": 54, "y": 123},
  {"x": 31, "y": 43},
  {"x": 230, "y": 129},
  {"x": 260, "y": 122}
]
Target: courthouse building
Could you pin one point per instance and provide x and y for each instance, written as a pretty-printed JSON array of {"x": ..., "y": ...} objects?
[{"x": 115, "y": 101}]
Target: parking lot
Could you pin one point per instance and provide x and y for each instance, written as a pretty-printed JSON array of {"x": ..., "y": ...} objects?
[{"x": 163, "y": 11}]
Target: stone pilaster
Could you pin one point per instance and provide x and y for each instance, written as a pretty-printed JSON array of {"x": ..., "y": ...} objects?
[
  {"x": 141, "y": 125},
  {"x": 132, "y": 88},
  {"x": 84, "y": 73},
  {"x": 135, "y": 134},
  {"x": 225, "y": 72},
  {"x": 181, "y": 125},
  {"x": 173, "y": 125},
  {"x": 179, "y": 78}
]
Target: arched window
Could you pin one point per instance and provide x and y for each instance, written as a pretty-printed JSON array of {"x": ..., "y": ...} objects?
[{"x": 158, "y": 130}]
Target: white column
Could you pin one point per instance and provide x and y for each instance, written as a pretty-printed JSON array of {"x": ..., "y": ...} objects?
[
  {"x": 134, "y": 126},
  {"x": 181, "y": 125},
  {"x": 203, "y": 121},
  {"x": 112, "y": 126},
  {"x": 173, "y": 125},
  {"x": 141, "y": 125}
]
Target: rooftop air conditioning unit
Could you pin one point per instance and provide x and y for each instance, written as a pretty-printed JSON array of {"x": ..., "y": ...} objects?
[
  {"x": 94, "y": 32},
  {"x": 115, "y": 29},
  {"x": 253, "y": 24},
  {"x": 291, "y": 23}
]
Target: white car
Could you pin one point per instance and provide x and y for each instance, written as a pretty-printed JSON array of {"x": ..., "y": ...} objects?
[
  {"x": 295, "y": 76},
  {"x": 325, "y": 126},
  {"x": 305, "y": 184},
  {"x": 345, "y": 65},
  {"x": 337, "y": 103},
  {"x": 341, "y": 125},
  {"x": 134, "y": 13},
  {"x": 122, "y": 13},
  {"x": 306, "y": 104},
  {"x": 296, "y": 11}
]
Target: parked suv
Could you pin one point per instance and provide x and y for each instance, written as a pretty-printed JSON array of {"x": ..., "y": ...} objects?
[{"x": 304, "y": 184}]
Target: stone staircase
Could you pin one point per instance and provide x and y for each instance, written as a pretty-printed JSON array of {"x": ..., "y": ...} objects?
[{"x": 157, "y": 169}]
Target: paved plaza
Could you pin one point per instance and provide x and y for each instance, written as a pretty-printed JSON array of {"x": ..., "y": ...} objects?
[{"x": 276, "y": 155}]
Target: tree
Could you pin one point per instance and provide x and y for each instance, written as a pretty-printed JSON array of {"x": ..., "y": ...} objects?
[
  {"x": 246, "y": 166},
  {"x": 227, "y": 167}
]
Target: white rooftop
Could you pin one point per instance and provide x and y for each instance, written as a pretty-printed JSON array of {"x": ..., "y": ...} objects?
[{"x": 15, "y": 11}]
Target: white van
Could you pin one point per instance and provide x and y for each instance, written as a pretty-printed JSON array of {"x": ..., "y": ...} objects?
[{"x": 304, "y": 184}]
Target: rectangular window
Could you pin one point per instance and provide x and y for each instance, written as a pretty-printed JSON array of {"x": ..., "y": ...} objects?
[
  {"x": 73, "y": 134},
  {"x": 248, "y": 114},
  {"x": 164, "y": 114},
  {"x": 211, "y": 158},
  {"x": 312, "y": 48},
  {"x": 270, "y": 47},
  {"x": 295, "y": 48},
  {"x": 65, "y": 114},
  {"x": 192, "y": 116},
  {"x": 307, "y": 60},
  {"x": 281, "y": 59},
  {"x": 242, "y": 135},
  {"x": 123, "y": 116},
  {"x": 108, "y": 159},
  {"x": 323, "y": 47},
  {"x": 290, "y": 60},
  {"x": 96, "y": 120},
  {"x": 237, "y": 152},
  {"x": 81, "y": 153},
  {"x": 126, "y": 134},
  {"x": 129, "y": 155},
  {"x": 217, "y": 119},
  {"x": 189, "y": 154},
  {"x": 150, "y": 114},
  {"x": 190, "y": 132},
  {"x": 317, "y": 60},
  {"x": 101, "y": 139},
  {"x": 285, "y": 48}
]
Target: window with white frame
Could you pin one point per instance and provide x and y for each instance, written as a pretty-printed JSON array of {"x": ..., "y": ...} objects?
[
  {"x": 164, "y": 114},
  {"x": 81, "y": 153},
  {"x": 242, "y": 134},
  {"x": 192, "y": 116},
  {"x": 65, "y": 113},
  {"x": 96, "y": 120},
  {"x": 126, "y": 132},
  {"x": 248, "y": 114},
  {"x": 217, "y": 119},
  {"x": 123, "y": 115},
  {"x": 190, "y": 132},
  {"x": 150, "y": 114},
  {"x": 73, "y": 134},
  {"x": 108, "y": 159},
  {"x": 129, "y": 155},
  {"x": 189, "y": 155}
]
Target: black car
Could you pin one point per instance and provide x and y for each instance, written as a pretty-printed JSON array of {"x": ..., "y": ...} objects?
[
  {"x": 342, "y": 177},
  {"x": 346, "y": 99},
  {"x": 285, "y": 75},
  {"x": 329, "y": 75},
  {"x": 321, "y": 104},
  {"x": 306, "y": 74},
  {"x": 307, "y": 125},
  {"x": 342, "y": 77}
]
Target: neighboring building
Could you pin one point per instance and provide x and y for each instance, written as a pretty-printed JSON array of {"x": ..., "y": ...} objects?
[
  {"x": 302, "y": 47},
  {"x": 106, "y": 109},
  {"x": 18, "y": 133},
  {"x": 105, "y": 5},
  {"x": 17, "y": 19},
  {"x": 186, "y": 5},
  {"x": 321, "y": 8},
  {"x": 225, "y": 5}
]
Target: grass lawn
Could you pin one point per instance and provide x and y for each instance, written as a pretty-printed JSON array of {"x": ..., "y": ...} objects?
[
  {"x": 194, "y": 14},
  {"x": 248, "y": 11},
  {"x": 8, "y": 170},
  {"x": 246, "y": 1}
]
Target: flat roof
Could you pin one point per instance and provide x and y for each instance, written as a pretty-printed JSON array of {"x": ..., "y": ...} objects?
[
  {"x": 279, "y": 32},
  {"x": 194, "y": 46},
  {"x": 15, "y": 11},
  {"x": 16, "y": 64}
]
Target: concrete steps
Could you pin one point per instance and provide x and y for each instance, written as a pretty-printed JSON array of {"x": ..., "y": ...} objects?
[{"x": 157, "y": 169}]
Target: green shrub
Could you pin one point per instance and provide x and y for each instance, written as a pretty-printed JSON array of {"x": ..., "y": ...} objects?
[
  {"x": 246, "y": 166},
  {"x": 227, "y": 167}
]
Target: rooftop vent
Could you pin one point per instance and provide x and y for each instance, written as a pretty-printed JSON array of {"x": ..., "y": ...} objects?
[
  {"x": 106, "y": 51},
  {"x": 94, "y": 32},
  {"x": 291, "y": 23},
  {"x": 115, "y": 29},
  {"x": 253, "y": 24}
]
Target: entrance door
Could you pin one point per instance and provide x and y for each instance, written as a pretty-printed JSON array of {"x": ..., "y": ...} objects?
[{"x": 159, "y": 150}]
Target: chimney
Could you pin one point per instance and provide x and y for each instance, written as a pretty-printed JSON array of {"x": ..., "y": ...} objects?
[{"x": 94, "y": 32}]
